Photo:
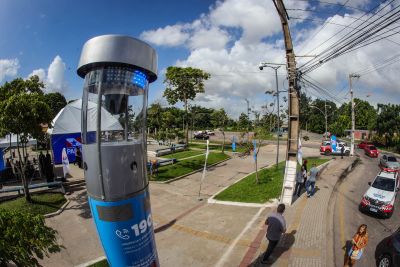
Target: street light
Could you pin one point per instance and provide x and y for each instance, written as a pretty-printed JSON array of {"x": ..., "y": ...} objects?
[
  {"x": 275, "y": 67},
  {"x": 325, "y": 115}
]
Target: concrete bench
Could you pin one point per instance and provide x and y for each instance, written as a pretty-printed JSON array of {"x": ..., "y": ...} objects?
[
  {"x": 12, "y": 189},
  {"x": 33, "y": 186}
]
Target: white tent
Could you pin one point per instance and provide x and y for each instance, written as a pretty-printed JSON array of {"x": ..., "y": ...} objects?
[{"x": 68, "y": 120}]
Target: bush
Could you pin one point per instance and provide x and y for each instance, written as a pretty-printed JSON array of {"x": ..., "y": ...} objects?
[
  {"x": 24, "y": 238},
  {"x": 306, "y": 138}
]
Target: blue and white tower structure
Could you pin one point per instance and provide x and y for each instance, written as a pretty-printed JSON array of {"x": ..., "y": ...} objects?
[{"x": 117, "y": 71}]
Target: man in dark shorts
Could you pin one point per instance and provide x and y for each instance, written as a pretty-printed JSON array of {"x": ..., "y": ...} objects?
[{"x": 276, "y": 227}]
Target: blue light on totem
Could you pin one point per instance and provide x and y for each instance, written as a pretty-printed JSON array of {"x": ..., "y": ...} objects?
[{"x": 139, "y": 79}]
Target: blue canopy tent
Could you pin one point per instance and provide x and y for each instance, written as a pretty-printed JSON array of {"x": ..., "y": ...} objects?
[{"x": 66, "y": 131}]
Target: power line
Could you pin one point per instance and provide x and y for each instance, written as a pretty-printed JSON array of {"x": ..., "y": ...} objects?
[
  {"x": 350, "y": 42},
  {"x": 323, "y": 26}
]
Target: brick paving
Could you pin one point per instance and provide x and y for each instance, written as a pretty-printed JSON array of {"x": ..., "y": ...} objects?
[{"x": 305, "y": 243}]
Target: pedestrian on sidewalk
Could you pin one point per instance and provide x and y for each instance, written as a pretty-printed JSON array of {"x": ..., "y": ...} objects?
[
  {"x": 299, "y": 182},
  {"x": 342, "y": 151},
  {"x": 276, "y": 227},
  {"x": 314, "y": 172},
  {"x": 359, "y": 242}
]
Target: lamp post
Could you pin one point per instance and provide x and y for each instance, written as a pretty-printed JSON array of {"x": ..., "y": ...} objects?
[
  {"x": 275, "y": 67},
  {"x": 325, "y": 115},
  {"x": 117, "y": 71}
]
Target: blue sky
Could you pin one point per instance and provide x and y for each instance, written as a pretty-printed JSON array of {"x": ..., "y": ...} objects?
[{"x": 226, "y": 38}]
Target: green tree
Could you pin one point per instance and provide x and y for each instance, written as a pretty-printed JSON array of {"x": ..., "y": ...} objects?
[
  {"x": 244, "y": 122},
  {"x": 22, "y": 111},
  {"x": 388, "y": 122},
  {"x": 183, "y": 84},
  {"x": 155, "y": 116},
  {"x": 56, "y": 102},
  {"x": 219, "y": 118},
  {"x": 24, "y": 238}
]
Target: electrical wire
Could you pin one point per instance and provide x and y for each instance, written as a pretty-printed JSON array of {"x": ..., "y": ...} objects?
[
  {"x": 353, "y": 35},
  {"x": 350, "y": 42}
]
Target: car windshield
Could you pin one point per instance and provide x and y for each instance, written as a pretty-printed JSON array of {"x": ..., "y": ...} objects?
[
  {"x": 392, "y": 159},
  {"x": 383, "y": 183},
  {"x": 372, "y": 148}
]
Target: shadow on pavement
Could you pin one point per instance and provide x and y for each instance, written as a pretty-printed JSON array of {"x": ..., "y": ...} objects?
[
  {"x": 165, "y": 226},
  {"x": 82, "y": 205},
  {"x": 283, "y": 247}
]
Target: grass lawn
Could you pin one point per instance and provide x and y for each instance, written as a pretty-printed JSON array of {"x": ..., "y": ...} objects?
[
  {"x": 102, "y": 263},
  {"x": 269, "y": 187},
  {"x": 228, "y": 147},
  {"x": 42, "y": 203},
  {"x": 183, "y": 154},
  {"x": 186, "y": 166}
]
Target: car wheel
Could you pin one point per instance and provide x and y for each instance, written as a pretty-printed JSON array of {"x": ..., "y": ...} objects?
[
  {"x": 347, "y": 153},
  {"x": 385, "y": 261},
  {"x": 327, "y": 152}
]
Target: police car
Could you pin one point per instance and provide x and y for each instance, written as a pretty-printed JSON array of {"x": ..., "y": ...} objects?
[{"x": 379, "y": 198}]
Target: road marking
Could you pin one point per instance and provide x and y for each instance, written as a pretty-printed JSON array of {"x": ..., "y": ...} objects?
[{"x": 228, "y": 252}]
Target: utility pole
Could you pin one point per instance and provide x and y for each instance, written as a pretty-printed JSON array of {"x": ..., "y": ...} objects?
[
  {"x": 353, "y": 118},
  {"x": 293, "y": 106},
  {"x": 279, "y": 130},
  {"x": 326, "y": 121}
]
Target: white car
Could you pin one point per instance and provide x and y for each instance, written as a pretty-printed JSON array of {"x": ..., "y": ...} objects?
[
  {"x": 208, "y": 132},
  {"x": 379, "y": 198}
]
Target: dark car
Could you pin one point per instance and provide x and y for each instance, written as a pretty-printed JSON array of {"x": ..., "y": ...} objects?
[
  {"x": 387, "y": 253},
  {"x": 201, "y": 135}
]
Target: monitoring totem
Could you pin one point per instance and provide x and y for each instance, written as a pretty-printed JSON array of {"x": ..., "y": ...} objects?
[{"x": 117, "y": 72}]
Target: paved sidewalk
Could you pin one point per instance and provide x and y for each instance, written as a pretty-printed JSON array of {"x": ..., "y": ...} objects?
[{"x": 306, "y": 242}]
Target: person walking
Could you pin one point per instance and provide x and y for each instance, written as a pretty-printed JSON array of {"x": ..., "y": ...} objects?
[
  {"x": 276, "y": 227},
  {"x": 299, "y": 182},
  {"x": 359, "y": 242},
  {"x": 314, "y": 172},
  {"x": 342, "y": 151}
]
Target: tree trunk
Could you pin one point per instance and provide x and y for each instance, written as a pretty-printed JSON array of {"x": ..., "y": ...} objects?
[
  {"x": 186, "y": 124},
  {"x": 223, "y": 142},
  {"x": 257, "y": 181},
  {"x": 22, "y": 167}
]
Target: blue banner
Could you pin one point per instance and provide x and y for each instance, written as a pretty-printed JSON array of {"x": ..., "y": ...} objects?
[
  {"x": 126, "y": 231},
  {"x": 255, "y": 150},
  {"x": 2, "y": 167},
  {"x": 70, "y": 142},
  {"x": 333, "y": 143}
]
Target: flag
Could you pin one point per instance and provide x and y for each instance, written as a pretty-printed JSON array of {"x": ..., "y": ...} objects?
[
  {"x": 65, "y": 162},
  {"x": 300, "y": 153}
]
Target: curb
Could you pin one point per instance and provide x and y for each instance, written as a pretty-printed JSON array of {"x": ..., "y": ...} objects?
[
  {"x": 190, "y": 173},
  {"x": 270, "y": 203},
  {"x": 330, "y": 259},
  {"x": 211, "y": 199},
  {"x": 91, "y": 262},
  {"x": 49, "y": 215}
]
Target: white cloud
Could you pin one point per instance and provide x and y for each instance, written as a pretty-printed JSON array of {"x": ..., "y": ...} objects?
[
  {"x": 168, "y": 36},
  {"x": 8, "y": 67},
  {"x": 235, "y": 35},
  {"x": 54, "y": 78}
]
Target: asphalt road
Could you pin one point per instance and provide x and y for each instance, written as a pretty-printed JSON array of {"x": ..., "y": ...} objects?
[{"x": 347, "y": 217}]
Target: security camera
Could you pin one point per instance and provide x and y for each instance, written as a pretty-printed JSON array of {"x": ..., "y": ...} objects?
[{"x": 260, "y": 66}]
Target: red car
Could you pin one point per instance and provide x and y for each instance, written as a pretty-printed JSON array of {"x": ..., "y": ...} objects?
[
  {"x": 363, "y": 144},
  {"x": 371, "y": 151}
]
